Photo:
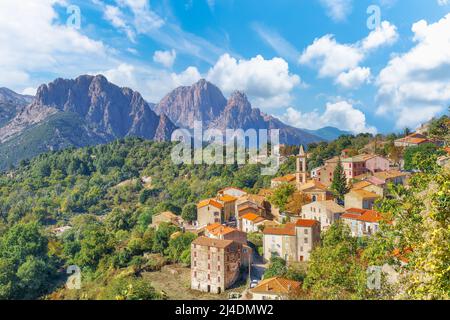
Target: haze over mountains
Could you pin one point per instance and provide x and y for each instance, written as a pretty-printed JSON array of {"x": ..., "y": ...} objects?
[{"x": 90, "y": 110}]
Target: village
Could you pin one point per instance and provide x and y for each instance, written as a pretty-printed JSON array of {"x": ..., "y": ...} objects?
[{"x": 222, "y": 251}]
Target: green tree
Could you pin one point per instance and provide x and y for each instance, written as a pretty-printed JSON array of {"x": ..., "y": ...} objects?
[
  {"x": 189, "y": 212},
  {"x": 281, "y": 195},
  {"x": 277, "y": 268},
  {"x": 334, "y": 270},
  {"x": 339, "y": 184}
]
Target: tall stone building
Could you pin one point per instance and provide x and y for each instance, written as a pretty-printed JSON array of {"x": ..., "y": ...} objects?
[
  {"x": 301, "y": 175},
  {"x": 215, "y": 264}
]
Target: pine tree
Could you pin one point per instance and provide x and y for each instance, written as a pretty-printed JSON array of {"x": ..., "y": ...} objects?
[{"x": 339, "y": 185}]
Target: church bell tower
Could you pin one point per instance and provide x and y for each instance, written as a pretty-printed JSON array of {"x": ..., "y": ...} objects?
[{"x": 301, "y": 167}]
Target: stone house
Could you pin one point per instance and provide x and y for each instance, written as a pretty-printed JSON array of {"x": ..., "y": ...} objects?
[
  {"x": 361, "y": 199},
  {"x": 362, "y": 222},
  {"x": 167, "y": 217},
  {"x": 326, "y": 212},
  {"x": 252, "y": 222},
  {"x": 221, "y": 232},
  {"x": 293, "y": 241},
  {"x": 215, "y": 264},
  {"x": 209, "y": 211},
  {"x": 276, "y": 288},
  {"x": 316, "y": 191}
]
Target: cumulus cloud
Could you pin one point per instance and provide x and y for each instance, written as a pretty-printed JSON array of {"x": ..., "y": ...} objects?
[
  {"x": 354, "y": 78},
  {"x": 152, "y": 83},
  {"x": 32, "y": 41},
  {"x": 331, "y": 57},
  {"x": 341, "y": 114},
  {"x": 338, "y": 10},
  {"x": 342, "y": 61},
  {"x": 166, "y": 58},
  {"x": 385, "y": 34},
  {"x": 415, "y": 86},
  {"x": 269, "y": 82},
  {"x": 443, "y": 2}
]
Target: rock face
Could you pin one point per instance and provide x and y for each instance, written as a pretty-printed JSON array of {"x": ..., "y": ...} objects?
[
  {"x": 109, "y": 111},
  {"x": 11, "y": 103},
  {"x": 205, "y": 102},
  {"x": 202, "y": 101}
]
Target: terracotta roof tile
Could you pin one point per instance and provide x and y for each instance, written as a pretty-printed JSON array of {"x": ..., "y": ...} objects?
[
  {"x": 208, "y": 242},
  {"x": 209, "y": 202},
  {"x": 276, "y": 285}
]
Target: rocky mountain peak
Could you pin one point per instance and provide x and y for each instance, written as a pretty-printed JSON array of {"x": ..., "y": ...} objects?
[{"x": 202, "y": 101}]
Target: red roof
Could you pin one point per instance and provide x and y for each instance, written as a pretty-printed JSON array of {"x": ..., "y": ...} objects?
[
  {"x": 362, "y": 215},
  {"x": 305, "y": 223}
]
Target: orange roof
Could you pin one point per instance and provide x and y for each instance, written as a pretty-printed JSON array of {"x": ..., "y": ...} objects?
[
  {"x": 313, "y": 184},
  {"x": 447, "y": 149},
  {"x": 361, "y": 185},
  {"x": 208, "y": 242},
  {"x": 250, "y": 216},
  {"x": 401, "y": 254},
  {"x": 228, "y": 188},
  {"x": 414, "y": 138},
  {"x": 276, "y": 285},
  {"x": 227, "y": 198},
  {"x": 245, "y": 207},
  {"x": 287, "y": 178},
  {"x": 364, "y": 194},
  {"x": 366, "y": 216},
  {"x": 209, "y": 202},
  {"x": 218, "y": 229},
  {"x": 286, "y": 230},
  {"x": 306, "y": 223}
]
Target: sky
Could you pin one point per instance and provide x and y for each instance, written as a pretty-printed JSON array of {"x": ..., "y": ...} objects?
[{"x": 374, "y": 66}]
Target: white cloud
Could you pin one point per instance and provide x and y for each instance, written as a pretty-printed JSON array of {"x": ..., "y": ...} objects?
[
  {"x": 331, "y": 57},
  {"x": 415, "y": 86},
  {"x": 166, "y": 58},
  {"x": 117, "y": 19},
  {"x": 385, "y": 34},
  {"x": 152, "y": 83},
  {"x": 267, "y": 81},
  {"x": 32, "y": 41},
  {"x": 443, "y": 2},
  {"x": 342, "y": 61},
  {"x": 338, "y": 10},
  {"x": 340, "y": 114},
  {"x": 354, "y": 78},
  {"x": 29, "y": 91}
]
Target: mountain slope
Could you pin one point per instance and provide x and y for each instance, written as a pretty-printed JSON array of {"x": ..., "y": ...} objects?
[
  {"x": 85, "y": 111},
  {"x": 328, "y": 133},
  {"x": 205, "y": 102},
  {"x": 10, "y": 104},
  {"x": 202, "y": 101}
]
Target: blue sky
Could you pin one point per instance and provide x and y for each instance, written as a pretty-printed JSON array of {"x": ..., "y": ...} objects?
[{"x": 311, "y": 63}]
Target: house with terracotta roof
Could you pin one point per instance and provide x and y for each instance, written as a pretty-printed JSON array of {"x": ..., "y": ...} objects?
[
  {"x": 232, "y": 191},
  {"x": 215, "y": 264},
  {"x": 276, "y": 288},
  {"x": 289, "y": 179},
  {"x": 252, "y": 222},
  {"x": 292, "y": 241},
  {"x": 413, "y": 140},
  {"x": 221, "y": 232},
  {"x": 316, "y": 191},
  {"x": 209, "y": 211},
  {"x": 229, "y": 205},
  {"x": 362, "y": 222},
  {"x": 326, "y": 212},
  {"x": 362, "y": 199},
  {"x": 167, "y": 217}
]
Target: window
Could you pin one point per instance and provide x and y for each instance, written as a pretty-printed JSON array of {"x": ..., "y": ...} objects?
[
  {"x": 195, "y": 274},
  {"x": 195, "y": 263},
  {"x": 209, "y": 266},
  {"x": 218, "y": 267},
  {"x": 306, "y": 231},
  {"x": 218, "y": 279},
  {"x": 305, "y": 240}
]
